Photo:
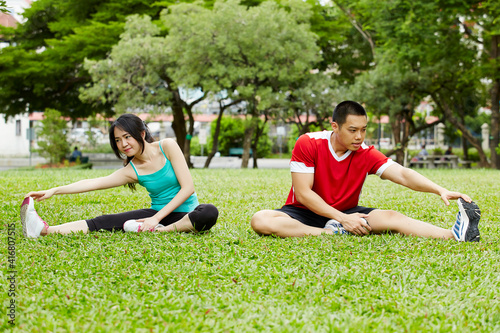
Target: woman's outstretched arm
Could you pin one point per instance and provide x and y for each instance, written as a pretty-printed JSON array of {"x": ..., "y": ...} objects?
[{"x": 120, "y": 177}]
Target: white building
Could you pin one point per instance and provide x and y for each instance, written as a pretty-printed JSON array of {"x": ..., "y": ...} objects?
[{"x": 13, "y": 139}]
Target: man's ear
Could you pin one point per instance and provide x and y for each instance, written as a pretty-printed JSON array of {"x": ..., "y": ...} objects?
[{"x": 335, "y": 127}]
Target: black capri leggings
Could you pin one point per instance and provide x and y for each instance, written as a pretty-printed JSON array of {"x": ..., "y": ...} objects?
[{"x": 203, "y": 217}]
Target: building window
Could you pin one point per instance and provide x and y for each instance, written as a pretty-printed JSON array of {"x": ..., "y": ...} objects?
[{"x": 18, "y": 127}]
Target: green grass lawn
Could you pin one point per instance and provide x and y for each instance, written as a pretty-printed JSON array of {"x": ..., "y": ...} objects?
[{"x": 232, "y": 280}]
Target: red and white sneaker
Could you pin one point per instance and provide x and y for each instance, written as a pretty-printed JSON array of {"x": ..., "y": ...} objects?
[{"x": 32, "y": 223}]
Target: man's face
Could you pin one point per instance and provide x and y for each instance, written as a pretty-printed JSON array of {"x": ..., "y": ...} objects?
[{"x": 351, "y": 134}]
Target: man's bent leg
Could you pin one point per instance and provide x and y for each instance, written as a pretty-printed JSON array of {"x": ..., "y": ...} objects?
[
  {"x": 387, "y": 220},
  {"x": 272, "y": 222}
]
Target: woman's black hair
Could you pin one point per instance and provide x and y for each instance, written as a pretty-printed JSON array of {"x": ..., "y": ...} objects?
[{"x": 134, "y": 126}]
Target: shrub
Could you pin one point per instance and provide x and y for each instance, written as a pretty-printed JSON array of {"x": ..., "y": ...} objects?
[
  {"x": 231, "y": 135},
  {"x": 52, "y": 137}
]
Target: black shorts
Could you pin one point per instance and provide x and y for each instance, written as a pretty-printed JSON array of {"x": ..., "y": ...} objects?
[
  {"x": 115, "y": 221},
  {"x": 312, "y": 219}
]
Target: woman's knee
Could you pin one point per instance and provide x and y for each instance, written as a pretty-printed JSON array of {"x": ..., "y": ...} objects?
[{"x": 204, "y": 217}]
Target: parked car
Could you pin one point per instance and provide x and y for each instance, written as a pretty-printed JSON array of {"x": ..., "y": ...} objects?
[{"x": 81, "y": 135}]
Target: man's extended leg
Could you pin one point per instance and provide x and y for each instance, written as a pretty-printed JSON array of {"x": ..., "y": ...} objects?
[
  {"x": 387, "y": 220},
  {"x": 272, "y": 222}
]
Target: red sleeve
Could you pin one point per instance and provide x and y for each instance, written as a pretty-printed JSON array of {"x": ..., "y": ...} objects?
[
  {"x": 377, "y": 160},
  {"x": 303, "y": 151}
]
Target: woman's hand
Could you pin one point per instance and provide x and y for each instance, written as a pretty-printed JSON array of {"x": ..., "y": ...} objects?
[
  {"x": 148, "y": 224},
  {"x": 41, "y": 195}
]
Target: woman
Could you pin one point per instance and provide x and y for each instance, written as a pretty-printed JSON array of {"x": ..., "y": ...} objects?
[{"x": 158, "y": 166}]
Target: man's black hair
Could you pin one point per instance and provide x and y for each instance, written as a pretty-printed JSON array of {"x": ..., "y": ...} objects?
[{"x": 346, "y": 108}]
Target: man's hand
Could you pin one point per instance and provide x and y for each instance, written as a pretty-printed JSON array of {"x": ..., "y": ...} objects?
[
  {"x": 355, "y": 224},
  {"x": 448, "y": 195},
  {"x": 148, "y": 224}
]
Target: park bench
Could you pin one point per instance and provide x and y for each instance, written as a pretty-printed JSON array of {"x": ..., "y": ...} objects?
[
  {"x": 465, "y": 164},
  {"x": 435, "y": 161},
  {"x": 83, "y": 159},
  {"x": 237, "y": 152}
]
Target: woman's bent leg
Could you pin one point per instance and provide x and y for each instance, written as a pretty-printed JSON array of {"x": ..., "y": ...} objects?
[
  {"x": 114, "y": 222},
  {"x": 202, "y": 218}
]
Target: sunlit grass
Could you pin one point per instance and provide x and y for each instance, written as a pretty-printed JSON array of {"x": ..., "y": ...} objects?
[{"x": 230, "y": 279}]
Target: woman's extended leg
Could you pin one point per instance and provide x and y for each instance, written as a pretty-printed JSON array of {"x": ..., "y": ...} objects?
[
  {"x": 66, "y": 228},
  {"x": 34, "y": 226}
]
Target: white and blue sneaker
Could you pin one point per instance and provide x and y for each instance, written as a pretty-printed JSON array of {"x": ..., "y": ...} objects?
[
  {"x": 336, "y": 227},
  {"x": 466, "y": 227}
]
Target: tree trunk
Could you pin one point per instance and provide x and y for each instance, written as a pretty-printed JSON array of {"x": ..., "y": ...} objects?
[
  {"x": 247, "y": 140},
  {"x": 215, "y": 141},
  {"x": 179, "y": 124},
  {"x": 483, "y": 161},
  {"x": 189, "y": 136},
  {"x": 495, "y": 100},
  {"x": 495, "y": 120},
  {"x": 465, "y": 148},
  {"x": 255, "y": 144},
  {"x": 247, "y": 144},
  {"x": 396, "y": 132}
]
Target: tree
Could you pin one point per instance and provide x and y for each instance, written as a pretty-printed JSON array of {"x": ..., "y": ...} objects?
[
  {"x": 314, "y": 95},
  {"x": 52, "y": 137},
  {"x": 43, "y": 66},
  {"x": 388, "y": 91},
  {"x": 487, "y": 16},
  {"x": 258, "y": 50},
  {"x": 3, "y": 6},
  {"x": 136, "y": 74},
  {"x": 425, "y": 37},
  {"x": 232, "y": 134}
]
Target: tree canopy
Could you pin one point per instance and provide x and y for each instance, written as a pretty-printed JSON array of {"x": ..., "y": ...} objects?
[{"x": 275, "y": 55}]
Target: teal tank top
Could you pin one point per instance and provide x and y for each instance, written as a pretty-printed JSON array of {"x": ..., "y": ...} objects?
[{"x": 163, "y": 186}]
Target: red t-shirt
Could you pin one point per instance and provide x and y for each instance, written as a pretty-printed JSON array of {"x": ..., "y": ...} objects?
[{"x": 338, "y": 180}]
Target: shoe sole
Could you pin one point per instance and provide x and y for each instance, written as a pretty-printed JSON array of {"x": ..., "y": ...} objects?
[
  {"x": 24, "y": 209},
  {"x": 472, "y": 215}
]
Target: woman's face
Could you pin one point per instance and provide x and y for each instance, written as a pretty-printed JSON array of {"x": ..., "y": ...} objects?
[{"x": 126, "y": 143}]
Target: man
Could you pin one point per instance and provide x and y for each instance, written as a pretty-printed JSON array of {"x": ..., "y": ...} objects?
[
  {"x": 423, "y": 153},
  {"x": 75, "y": 155},
  {"x": 328, "y": 171}
]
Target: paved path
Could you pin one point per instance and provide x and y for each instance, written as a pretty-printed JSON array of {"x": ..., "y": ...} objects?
[{"x": 198, "y": 162}]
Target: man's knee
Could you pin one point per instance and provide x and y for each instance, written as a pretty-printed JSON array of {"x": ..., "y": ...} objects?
[
  {"x": 260, "y": 222},
  {"x": 385, "y": 220}
]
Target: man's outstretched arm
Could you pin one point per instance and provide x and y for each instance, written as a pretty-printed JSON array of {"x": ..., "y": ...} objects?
[{"x": 415, "y": 181}]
